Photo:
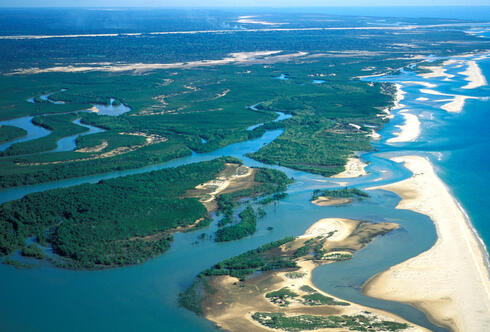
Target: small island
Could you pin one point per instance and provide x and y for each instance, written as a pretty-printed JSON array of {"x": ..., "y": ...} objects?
[{"x": 337, "y": 196}]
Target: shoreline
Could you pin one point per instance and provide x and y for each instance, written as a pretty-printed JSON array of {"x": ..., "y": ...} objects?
[
  {"x": 449, "y": 282},
  {"x": 409, "y": 131}
]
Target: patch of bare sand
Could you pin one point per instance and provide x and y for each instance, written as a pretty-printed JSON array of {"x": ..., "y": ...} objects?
[
  {"x": 450, "y": 281},
  {"x": 233, "y": 178},
  {"x": 238, "y": 58},
  {"x": 353, "y": 169},
  {"x": 328, "y": 201}
]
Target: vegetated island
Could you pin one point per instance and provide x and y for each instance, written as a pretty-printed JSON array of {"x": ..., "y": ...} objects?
[
  {"x": 125, "y": 220},
  {"x": 341, "y": 196},
  {"x": 8, "y": 133},
  {"x": 270, "y": 287}
]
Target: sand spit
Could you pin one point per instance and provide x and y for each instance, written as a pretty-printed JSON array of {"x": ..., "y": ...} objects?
[
  {"x": 353, "y": 169},
  {"x": 474, "y": 76},
  {"x": 436, "y": 71},
  {"x": 450, "y": 281},
  {"x": 234, "y": 302},
  {"x": 409, "y": 131},
  {"x": 454, "y": 105},
  {"x": 240, "y": 57}
]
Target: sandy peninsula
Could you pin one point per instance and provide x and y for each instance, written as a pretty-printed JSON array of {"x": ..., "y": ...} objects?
[
  {"x": 454, "y": 104},
  {"x": 474, "y": 76},
  {"x": 234, "y": 304},
  {"x": 450, "y": 281},
  {"x": 409, "y": 131},
  {"x": 353, "y": 169},
  {"x": 436, "y": 71}
]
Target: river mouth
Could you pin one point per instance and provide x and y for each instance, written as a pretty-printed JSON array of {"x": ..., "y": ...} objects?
[{"x": 158, "y": 289}]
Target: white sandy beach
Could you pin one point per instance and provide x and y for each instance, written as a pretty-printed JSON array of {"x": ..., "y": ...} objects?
[
  {"x": 409, "y": 131},
  {"x": 436, "y": 71},
  {"x": 454, "y": 104},
  {"x": 474, "y": 76},
  {"x": 450, "y": 281},
  {"x": 353, "y": 169}
]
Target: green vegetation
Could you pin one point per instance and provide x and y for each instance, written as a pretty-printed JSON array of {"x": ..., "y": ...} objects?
[
  {"x": 246, "y": 227},
  {"x": 339, "y": 193},
  {"x": 33, "y": 250},
  {"x": 307, "y": 289},
  {"x": 337, "y": 257},
  {"x": 114, "y": 222},
  {"x": 316, "y": 298},
  {"x": 252, "y": 261},
  {"x": 281, "y": 296},
  {"x": 295, "y": 275},
  {"x": 312, "y": 322},
  {"x": 8, "y": 133},
  {"x": 125, "y": 220},
  {"x": 266, "y": 181},
  {"x": 60, "y": 125}
]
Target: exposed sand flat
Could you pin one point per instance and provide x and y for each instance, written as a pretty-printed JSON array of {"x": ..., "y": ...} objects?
[
  {"x": 474, "y": 76},
  {"x": 450, "y": 281},
  {"x": 328, "y": 201},
  {"x": 240, "y": 57},
  {"x": 454, "y": 105},
  {"x": 436, "y": 71},
  {"x": 408, "y": 131},
  {"x": 353, "y": 169},
  {"x": 341, "y": 229},
  {"x": 422, "y": 99}
]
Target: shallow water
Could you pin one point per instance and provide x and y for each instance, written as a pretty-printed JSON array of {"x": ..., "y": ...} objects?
[
  {"x": 70, "y": 143},
  {"x": 33, "y": 131}
]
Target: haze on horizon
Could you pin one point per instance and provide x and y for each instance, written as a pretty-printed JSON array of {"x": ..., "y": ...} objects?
[{"x": 238, "y": 3}]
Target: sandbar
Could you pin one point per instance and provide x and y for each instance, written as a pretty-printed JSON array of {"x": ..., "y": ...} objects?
[
  {"x": 408, "y": 131},
  {"x": 450, "y": 281},
  {"x": 473, "y": 75}
]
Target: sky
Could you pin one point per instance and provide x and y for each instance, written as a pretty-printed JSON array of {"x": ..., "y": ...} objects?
[{"x": 236, "y": 3}]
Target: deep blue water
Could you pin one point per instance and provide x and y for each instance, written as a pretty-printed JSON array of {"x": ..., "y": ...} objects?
[{"x": 465, "y": 143}]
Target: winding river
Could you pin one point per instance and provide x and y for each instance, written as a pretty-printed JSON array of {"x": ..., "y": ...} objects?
[{"x": 144, "y": 297}]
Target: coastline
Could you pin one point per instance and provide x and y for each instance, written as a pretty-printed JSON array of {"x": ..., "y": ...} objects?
[
  {"x": 409, "y": 131},
  {"x": 450, "y": 281}
]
